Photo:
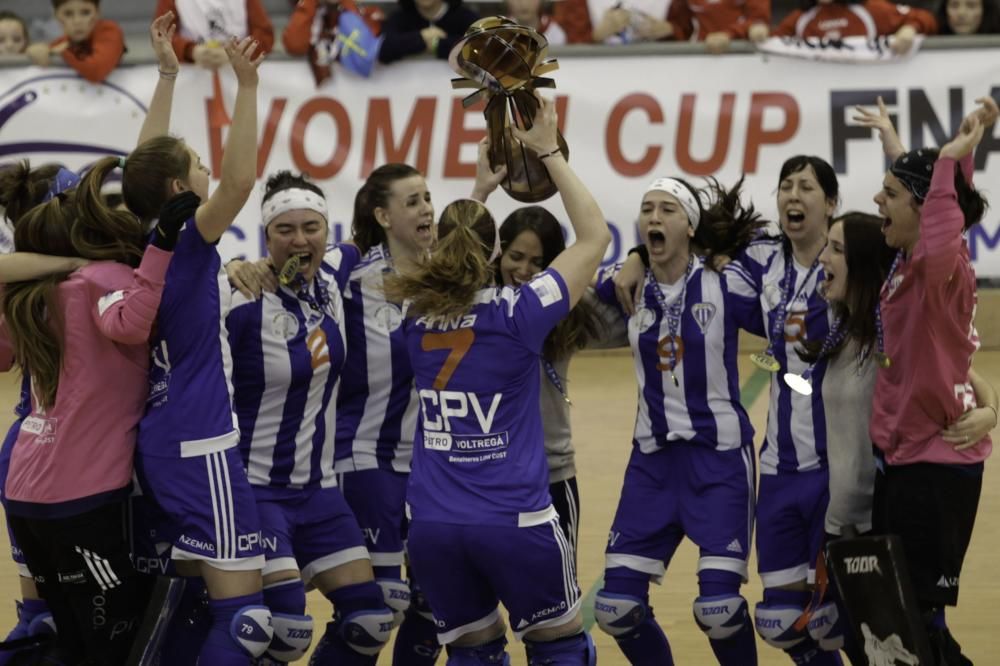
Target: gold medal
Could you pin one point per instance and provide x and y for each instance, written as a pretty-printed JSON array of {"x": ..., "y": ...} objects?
[
  {"x": 289, "y": 270},
  {"x": 765, "y": 362},
  {"x": 883, "y": 360}
]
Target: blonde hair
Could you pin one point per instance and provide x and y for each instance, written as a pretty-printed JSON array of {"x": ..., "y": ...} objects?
[{"x": 445, "y": 284}]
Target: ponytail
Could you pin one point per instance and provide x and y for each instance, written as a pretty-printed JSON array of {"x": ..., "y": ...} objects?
[
  {"x": 445, "y": 285},
  {"x": 31, "y": 309},
  {"x": 727, "y": 225},
  {"x": 104, "y": 233}
]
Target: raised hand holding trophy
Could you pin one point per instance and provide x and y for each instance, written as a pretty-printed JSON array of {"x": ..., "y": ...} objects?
[{"x": 506, "y": 62}]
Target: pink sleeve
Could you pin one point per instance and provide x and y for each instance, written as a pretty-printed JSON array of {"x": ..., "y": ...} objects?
[
  {"x": 941, "y": 225},
  {"x": 127, "y": 315},
  {"x": 968, "y": 168}
]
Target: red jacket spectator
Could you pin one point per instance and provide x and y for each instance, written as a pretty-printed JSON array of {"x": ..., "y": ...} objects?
[
  {"x": 732, "y": 17},
  {"x": 258, "y": 25},
  {"x": 871, "y": 19},
  {"x": 298, "y": 37},
  {"x": 96, "y": 57}
]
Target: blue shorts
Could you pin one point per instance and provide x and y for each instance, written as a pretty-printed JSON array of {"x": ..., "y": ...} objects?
[
  {"x": 378, "y": 499},
  {"x": 204, "y": 508},
  {"x": 312, "y": 529},
  {"x": 466, "y": 570},
  {"x": 791, "y": 513},
  {"x": 684, "y": 490}
]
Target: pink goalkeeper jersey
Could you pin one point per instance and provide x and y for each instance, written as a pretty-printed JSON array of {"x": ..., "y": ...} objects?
[
  {"x": 80, "y": 449},
  {"x": 928, "y": 312}
]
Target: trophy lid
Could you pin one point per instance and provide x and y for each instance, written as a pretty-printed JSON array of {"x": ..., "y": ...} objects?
[{"x": 501, "y": 55}]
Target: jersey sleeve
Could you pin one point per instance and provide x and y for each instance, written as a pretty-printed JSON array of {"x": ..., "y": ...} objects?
[
  {"x": 259, "y": 26},
  {"x": 604, "y": 289},
  {"x": 298, "y": 31},
  {"x": 341, "y": 260},
  {"x": 941, "y": 225},
  {"x": 742, "y": 299},
  {"x": 126, "y": 315},
  {"x": 890, "y": 17},
  {"x": 541, "y": 304}
]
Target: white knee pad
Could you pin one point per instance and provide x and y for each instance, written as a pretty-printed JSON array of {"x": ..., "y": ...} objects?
[
  {"x": 775, "y": 624},
  {"x": 292, "y": 636},
  {"x": 618, "y": 614},
  {"x": 397, "y": 597},
  {"x": 826, "y": 628},
  {"x": 721, "y": 616},
  {"x": 251, "y": 629},
  {"x": 366, "y": 632}
]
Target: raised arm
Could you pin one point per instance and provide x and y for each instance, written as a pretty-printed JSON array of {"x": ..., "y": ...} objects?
[
  {"x": 24, "y": 266},
  {"x": 239, "y": 159},
  {"x": 941, "y": 218},
  {"x": 577, "y": 263},
  {"x": 881, "y": 121},
  {"x": 157, "y": 122}
]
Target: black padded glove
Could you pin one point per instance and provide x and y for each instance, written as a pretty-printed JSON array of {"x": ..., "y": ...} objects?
[{"x": 173, "y": 214}]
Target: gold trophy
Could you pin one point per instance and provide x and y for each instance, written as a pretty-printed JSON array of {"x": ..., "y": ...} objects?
[{"x": 506, "y": 63}]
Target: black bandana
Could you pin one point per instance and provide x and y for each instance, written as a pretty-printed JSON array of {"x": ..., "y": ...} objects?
[{"x": 914, "y": 169}]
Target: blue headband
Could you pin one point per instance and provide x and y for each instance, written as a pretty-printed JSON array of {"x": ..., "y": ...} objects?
[{"x": 64, "y": 180}]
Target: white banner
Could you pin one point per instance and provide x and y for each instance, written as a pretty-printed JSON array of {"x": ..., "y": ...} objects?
[{"x": 627, "y": 120}]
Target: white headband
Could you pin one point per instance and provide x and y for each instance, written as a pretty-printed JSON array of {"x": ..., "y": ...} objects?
[
  {"x": 294, "y": 198},
  {"x": 683, "y": 195}
]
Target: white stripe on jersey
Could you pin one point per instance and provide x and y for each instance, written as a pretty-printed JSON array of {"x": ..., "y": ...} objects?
[
  {"x": 225, "y": 303},
  {"x": 805, "y": 429},
  {"x": 377, "y": 348}
]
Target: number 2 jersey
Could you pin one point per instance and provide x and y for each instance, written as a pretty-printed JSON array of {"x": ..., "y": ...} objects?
[
  {"x": 288, "y": 351},
  {"x": 479, "y": 455}
]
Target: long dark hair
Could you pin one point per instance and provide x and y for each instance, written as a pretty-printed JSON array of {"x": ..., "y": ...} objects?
[
  {"x": 22, "y": 188},
  {"x": 148, "y": 172},
  {"x": 582, "y": 324},
  {"x": 31, "y": 309},
  {"x": 868, "y": 260},
  {"x": 727, "y": 223},
  {"x": 366, "y": 232},
  {"x": 988, "y": 25},
  {"x": 445, "y": 284}
]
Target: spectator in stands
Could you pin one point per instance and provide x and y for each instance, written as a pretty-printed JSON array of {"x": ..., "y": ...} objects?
[
  {"x": 424, "y": 26},
  {"x": 91, "y": 45},
  {"x": 969, "y": 17},
  {"x": 204, "y": 26},
  {"x": 718, "y": 21},
  {"x": 531, "y": 13},
  {"x": 836, "y": 19},
  {"x": 13, "y": 34},
  {"x": 312, "y": 31}
]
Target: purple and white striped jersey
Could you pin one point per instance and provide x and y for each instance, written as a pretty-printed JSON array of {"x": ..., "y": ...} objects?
[
  {"x": 796, "y": 424},
  {"x": 377, "y": 406},
  {"x": 189, "y": 410},
  {"x": 479, "y": 454},
  {"x": 704, "y": 406},
  {"x": 288, "y": 351}
]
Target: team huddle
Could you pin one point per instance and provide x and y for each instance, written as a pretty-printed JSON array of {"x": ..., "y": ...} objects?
[{"x": 387, "y": 420}]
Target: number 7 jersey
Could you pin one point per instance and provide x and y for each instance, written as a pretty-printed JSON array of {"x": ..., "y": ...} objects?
[{"x": 479, "y": 455}]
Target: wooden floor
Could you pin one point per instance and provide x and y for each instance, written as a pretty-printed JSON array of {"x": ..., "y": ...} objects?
[{"x": 604, "y": 399}]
